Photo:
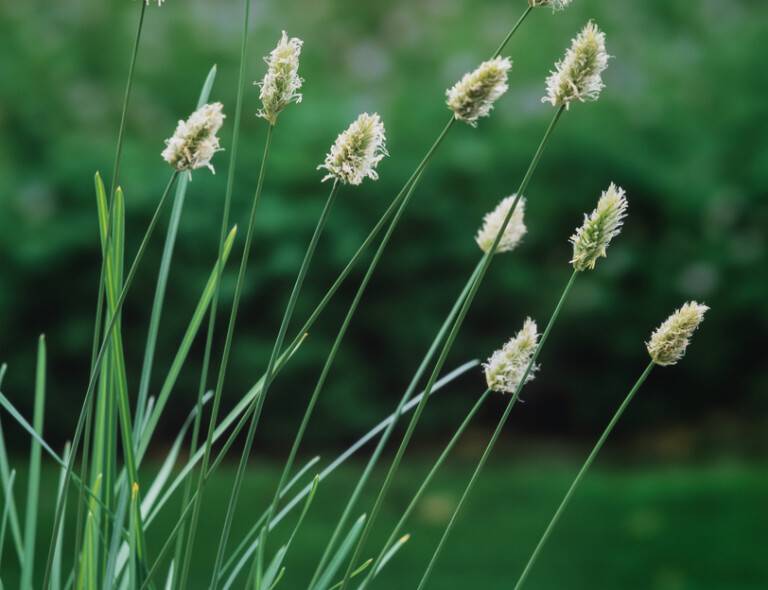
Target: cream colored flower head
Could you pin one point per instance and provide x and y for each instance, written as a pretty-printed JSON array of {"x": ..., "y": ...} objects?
[
  {"x": 555, "y": 4},
  {"x": 493, "y": 221},
  {"x": 507, "y": 367},
  {"x": 281, "y": 84},
  {"x": 669, "y": 341},
  {"x": 473, "y": 96},
  {"x": 159, "y": 2},
  {"x": 579, "y": 75},
  {"x": 195, "y": 141},
  {"x": 591, "y": 240},
  {"x": 357, "y": 151}
]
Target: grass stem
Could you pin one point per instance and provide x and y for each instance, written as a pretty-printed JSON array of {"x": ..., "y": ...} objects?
[
  {"x": 590, "y": 459},
  {"x": 497, "y": 432}
]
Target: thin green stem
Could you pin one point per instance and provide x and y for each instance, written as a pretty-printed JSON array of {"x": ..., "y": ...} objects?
[
  {"x": 258, "y": 402},
  {"x": 57, "y": 521},
  {"x": 499, "y": 428},
  {"x": 225, "y": 360},
  {"x": 100, "y": 297},
  {"x": 590, "y": 459},
  {"x": 423, "y": 487},
  {"x": 222, "y": 237},
  {"x": 411, "y": 185},
  {"x": 475, "y": 283},
  {"x": 513, "y": 30},
  {"x": 351, "y": 503},
  {"x": 330, "y": 468}
]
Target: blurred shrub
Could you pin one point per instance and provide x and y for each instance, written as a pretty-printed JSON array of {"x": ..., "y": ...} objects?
[{"x": 681, "y": 125}]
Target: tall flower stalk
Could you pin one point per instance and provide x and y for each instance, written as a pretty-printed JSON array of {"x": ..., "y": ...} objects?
[
  {"x": 354, "y": 156},
  {"x": 666, "y": 346},
  {"x": 488, "y": 94},
  {"x": 183, "y": 552},
  {"x": 99, "y": 319},
  {"x": 474, "y": 287},
  {"x": 510, "y": 368}
]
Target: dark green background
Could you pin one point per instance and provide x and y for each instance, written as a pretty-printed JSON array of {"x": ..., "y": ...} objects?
[{"x": 681, "y": 125}]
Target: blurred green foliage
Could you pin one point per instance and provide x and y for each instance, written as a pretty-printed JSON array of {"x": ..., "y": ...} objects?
[
  {"x": 682, "y": 125},
  {"x": 669, "y": 527}
]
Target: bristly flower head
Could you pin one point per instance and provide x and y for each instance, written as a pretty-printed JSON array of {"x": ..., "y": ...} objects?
[
  {"x": 591, "y": 240},
  {"x": 195, "y": 142},
  {"x": 669, "y": 341},
  {"x": 492, "y": 222},
  {"x": 505, "y": 369},
  {"x": 578, "y": 75},
  {"x": 281, "y": 83},
  {"x": 555, "y": 4},
  {"x": 357, "y": 151},
  {"x": 473, "y": 96}
]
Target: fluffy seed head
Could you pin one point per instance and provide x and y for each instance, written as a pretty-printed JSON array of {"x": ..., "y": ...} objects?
[
  {"x": 281, "y": 84},
  {"x": 357, "y": 151},
  {"x": 492, "y": 222},
  {"x": 505, "y": 369},
  {"x": 591, "y": 240},
  {"x": 473, "y": 96},
  {"x": 669, "y": 341},
  {"x": 555, "y": 4},
  {"x": 579, "y": 75},
  {"x": 195, "y": 142}
]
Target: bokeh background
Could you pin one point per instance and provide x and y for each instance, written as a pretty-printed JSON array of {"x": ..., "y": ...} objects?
[{"x": 679, "y": 500}]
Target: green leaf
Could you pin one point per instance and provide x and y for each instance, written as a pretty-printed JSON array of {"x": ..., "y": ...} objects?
[
  {"x": 33, "y": 485},
  {"x": 324, "y": 581}
]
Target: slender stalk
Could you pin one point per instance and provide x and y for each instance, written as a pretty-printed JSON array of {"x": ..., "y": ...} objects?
[
  {"x": 225, "y": 361},
  {"x": 33, "y": 485},
  {"x": 412, "y": 184},
  {"x": 100, "y": 297},
  {"x": 423, "y": 487},
  {"x": 499, "y": 428},
  {"x": 404, "y": 403},
  {"x": 475, "y": 286},
  {"x": 590, "y": 459},
  {"x": 222, "y": 237},
  {"x": 97, "y": 364},
  {"x": 270, "y": 374},
  {"x": 322, "y": 475}
]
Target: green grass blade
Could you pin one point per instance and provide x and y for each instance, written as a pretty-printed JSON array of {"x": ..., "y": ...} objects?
[
  {"x": 6, "y": 515},
  {"x": 162, "y": 276},
  {"x": 10, "y": 501},
  {"x": 184, "y": 347},
  {"x": 303, "y": 493},
  {"x": 391, "y": 553},
  {"x": 33, "y": 484},
  {"x": 331, "y": 467},
  {"x": 274, "y": 568},
  {"x": 324, "y": 580},
  {"x": 59, "y": 549}
]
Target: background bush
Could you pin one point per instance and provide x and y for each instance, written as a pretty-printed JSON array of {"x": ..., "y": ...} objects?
[{"x": 682, "y": 126}]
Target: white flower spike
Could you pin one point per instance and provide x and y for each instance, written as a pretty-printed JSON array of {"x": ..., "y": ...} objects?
[
  {"x": 555, "y": 4},
  {"x": 670, "y": 340},
  {"x": 591, "y": 240},
  {"x": 357, "y": 151},
  {"x": 492, "y": 222},
  {"x": 579, "y": 75},
  {"x": 473, "y": 96},
  {"x": 281, "y": 84},
  {"x": 195, "y": 141},
  {"x": 505, "y": 369}
]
